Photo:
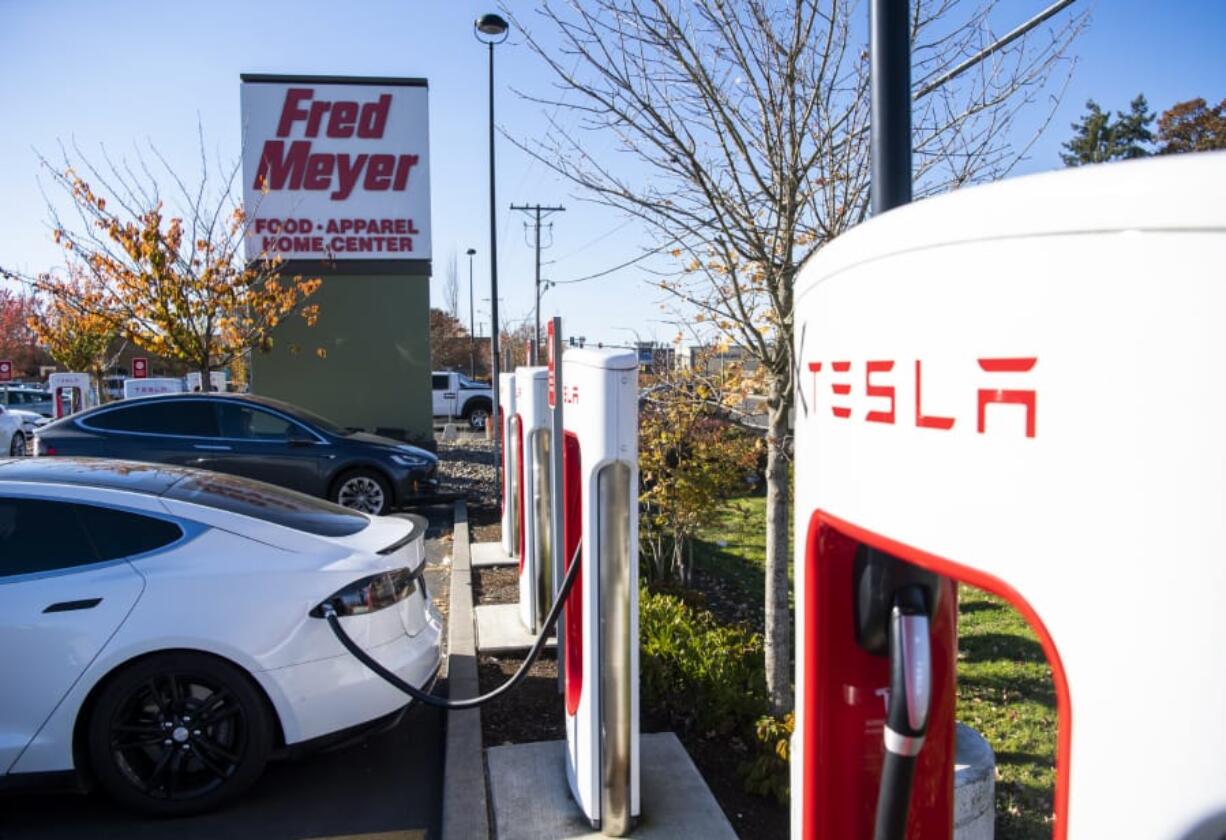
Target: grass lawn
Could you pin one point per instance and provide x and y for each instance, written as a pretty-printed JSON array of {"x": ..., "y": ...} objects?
[{"x": 1005, "y": 690}]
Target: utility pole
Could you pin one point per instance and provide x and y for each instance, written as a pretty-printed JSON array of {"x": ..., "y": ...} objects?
[{"x": 539, "y": 213}]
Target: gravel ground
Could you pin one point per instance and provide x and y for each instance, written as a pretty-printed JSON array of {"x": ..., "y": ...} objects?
[{"x": 467, "y": 466}]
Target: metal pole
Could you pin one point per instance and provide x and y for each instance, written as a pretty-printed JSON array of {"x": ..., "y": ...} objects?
[
  {"x": 558, "y": 488},
  {"x": 494, "y": 356},
  {"x": 995, "y": 47},
  {"x": 472, "y": 322},
  {"x": 890, "y": 153},
  {"x": 536, "y": 334}
]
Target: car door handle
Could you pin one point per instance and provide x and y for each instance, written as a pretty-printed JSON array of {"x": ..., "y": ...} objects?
[
  {"x": 210, "y": 447},
  {"x": 449, "y": 396},
  {"x": 69, "y": 606}
]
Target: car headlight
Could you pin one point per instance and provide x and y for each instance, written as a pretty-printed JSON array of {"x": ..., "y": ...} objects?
[
  {"x": 371, "y": 593},
  {"x": 409, "y": 460}
]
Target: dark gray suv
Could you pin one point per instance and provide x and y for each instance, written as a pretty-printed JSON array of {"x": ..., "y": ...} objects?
[{"x": 254, "y": 437}]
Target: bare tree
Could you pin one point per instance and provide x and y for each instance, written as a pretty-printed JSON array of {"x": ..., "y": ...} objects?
[
  {"x": 451, "y": 286},
  {"x": 741, "y": 140}
]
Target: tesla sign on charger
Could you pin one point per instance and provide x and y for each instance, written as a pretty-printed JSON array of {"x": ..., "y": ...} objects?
[
  {"x": 967, "y": 408},
  {"x": 336, "y": 183}
]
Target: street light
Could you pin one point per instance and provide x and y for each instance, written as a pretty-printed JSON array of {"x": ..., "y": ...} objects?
[
  {"x": 472, "y": 320},
  {"x": 491, "y": 29}
]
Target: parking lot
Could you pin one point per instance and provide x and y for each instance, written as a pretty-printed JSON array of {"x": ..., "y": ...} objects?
[{"x": 387, "y": 786}]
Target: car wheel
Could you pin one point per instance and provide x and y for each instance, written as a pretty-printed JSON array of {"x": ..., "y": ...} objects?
[
  {"x": 363, "y": 490},
  {"x": 477, "y": 416},
  {"x": 17, "y": 446},
  {"x": 178, "y": 733}
]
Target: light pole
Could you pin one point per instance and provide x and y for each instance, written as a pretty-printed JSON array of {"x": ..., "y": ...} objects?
[
  {"x": 491, "y": 29},
  {"x": 472, "y": 321}
]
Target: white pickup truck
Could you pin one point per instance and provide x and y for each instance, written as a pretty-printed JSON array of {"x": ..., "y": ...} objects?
[{"x": 455, "y": 395}]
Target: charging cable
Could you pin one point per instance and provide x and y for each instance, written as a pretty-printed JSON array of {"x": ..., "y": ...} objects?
[{"x": 329, "y": 614}]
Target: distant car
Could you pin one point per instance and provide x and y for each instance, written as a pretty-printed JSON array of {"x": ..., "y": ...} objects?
[
  {"x": 31, "y": 421},
  {"x": 251, "y": 436},
  {"x": 455, "y": 395},
  {"x": 27, "y": 398},
  {"x": 160, "y": 627},
  {"x": 12, "y": 434}
]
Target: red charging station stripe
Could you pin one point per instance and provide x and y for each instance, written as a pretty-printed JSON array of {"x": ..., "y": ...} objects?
[
  {"x": 572, "y": 533},
  {"x": 974, "y": 577},
  {"x": 519, "y": 448}
]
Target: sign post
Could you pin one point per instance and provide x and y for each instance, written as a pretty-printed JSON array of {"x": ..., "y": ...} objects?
[
  {"x": 6, "y": 370},
  {"x": 554, "y": 356},
  {"x": 140, "y": 368}
]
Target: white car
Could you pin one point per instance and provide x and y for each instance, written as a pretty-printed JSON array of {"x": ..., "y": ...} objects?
[
  {"x": 161, "y": 631},
  {"x": 31, "y": 421},
  {"x": 13, "y": 435}
]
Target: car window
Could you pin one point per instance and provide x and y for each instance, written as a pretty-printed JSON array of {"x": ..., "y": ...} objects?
[
  {"x": 241, "y": 421},
  {"x": 190, "y": 418},
  {"x": 39, "y": 536},
  {"x": 465, "y": 382},
  {"x": 268, "y": 503},
  {"x": 441, "y": 383},
  {"x": 117, "y": 533}
]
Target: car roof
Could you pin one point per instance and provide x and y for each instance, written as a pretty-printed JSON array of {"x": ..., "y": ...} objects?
[{"x": 132, "y": 476}]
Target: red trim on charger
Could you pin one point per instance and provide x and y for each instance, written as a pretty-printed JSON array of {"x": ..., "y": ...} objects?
[{"x": 965, "y": 574}]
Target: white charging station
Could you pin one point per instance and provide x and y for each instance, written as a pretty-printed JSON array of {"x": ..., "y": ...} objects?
[
  {"x": 70, "y": 393},
  {"x": 600, "y": 621},
  {"x": 510, "y": 487},
  {"x": 1022, "y": 386},
  {"x": 535, "y": 570}
]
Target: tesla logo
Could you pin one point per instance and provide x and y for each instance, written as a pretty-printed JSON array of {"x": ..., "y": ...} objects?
[
  {"x": 6, "y": 371},
  {"x": 878, "y": 386}
]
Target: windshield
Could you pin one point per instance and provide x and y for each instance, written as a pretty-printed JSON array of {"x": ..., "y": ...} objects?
[{"x": 268, "y": 503}]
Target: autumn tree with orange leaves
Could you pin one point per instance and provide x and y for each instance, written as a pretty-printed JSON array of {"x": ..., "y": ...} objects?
[
  {"x": 175, "y": 284},
  {"x": 76, "y": 330}
]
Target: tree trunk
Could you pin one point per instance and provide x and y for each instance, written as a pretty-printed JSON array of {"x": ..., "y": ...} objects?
[{"x": 778, "y": 622}]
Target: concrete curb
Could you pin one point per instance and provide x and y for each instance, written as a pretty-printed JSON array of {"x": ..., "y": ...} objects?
[{"x": 465, "y": 800}]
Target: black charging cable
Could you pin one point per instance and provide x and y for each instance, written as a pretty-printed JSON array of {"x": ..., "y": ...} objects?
[
  {"x": 329, "y": 614},
  {"x": 907, "y": 718}
]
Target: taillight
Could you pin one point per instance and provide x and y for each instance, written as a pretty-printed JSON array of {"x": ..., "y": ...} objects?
[{"x": 371, "y": 593}]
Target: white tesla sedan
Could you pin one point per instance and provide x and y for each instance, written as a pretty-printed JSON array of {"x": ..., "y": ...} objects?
[
  {"x": 160, "y": 631},
  {"x": 13, "y": 434}
]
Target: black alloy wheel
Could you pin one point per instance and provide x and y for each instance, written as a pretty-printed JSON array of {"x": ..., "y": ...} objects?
[
  {"x": 178, "y": 733},
  {"x": 17, "y": 446}
]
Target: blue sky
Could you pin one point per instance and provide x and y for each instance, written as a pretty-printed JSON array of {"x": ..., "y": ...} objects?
[{"x": 119, "y": 72}]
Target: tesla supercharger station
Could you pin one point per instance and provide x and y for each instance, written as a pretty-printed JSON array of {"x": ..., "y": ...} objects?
[
  {"x": 535, "y": 569},
  {"x": 70, "y": 393},
  {"x": 1022, "y": 387},
  {"x": 600, "y": 619},
  {"x": 510, "y": 469}
]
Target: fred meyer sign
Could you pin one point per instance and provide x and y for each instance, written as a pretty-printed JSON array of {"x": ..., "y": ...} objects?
[{"x": 336, "y": 169}]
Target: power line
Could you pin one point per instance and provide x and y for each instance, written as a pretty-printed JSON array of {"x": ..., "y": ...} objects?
[{"x": 538, "y": 212}]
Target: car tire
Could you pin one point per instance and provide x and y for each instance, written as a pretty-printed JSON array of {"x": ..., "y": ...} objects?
[
  {"x": 178, "y": 733},
  {"x": 363, "y": 490},
  {"x": 477, "y": 414},
  {"x": 17, "y": 445}
]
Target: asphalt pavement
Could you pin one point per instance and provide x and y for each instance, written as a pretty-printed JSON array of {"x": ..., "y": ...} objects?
[{"x": 388, "y": 787}]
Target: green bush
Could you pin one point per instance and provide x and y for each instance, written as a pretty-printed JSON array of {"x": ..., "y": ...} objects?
[
  {"x": 767, "y": 774},
  {"x": 703, "y": 674}
]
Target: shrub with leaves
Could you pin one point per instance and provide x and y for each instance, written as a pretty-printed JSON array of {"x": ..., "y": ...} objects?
[
  {"x": 768, "y": 773},
  {"x": 690, "y": 462},
  {"x": 705, "y": 675}
]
